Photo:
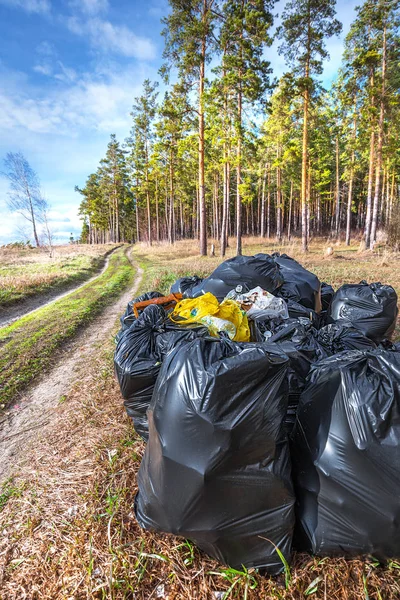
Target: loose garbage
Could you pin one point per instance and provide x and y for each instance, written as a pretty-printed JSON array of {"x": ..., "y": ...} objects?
[
  {"x": 225, "y": 317},
  {"x": 216, "y": 469},
  {"x": 346, "y": 453},
  {"x": 253, "y": 378},
  {"x": 260, "y": 304}
]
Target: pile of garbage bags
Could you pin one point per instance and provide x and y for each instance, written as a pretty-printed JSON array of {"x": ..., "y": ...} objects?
[{"x": 270, "y": 405}]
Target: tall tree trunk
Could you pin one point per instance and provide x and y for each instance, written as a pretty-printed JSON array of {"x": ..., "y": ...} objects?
[
  {"x": 35, "y": 234},
  {"x": 319, "y": 213},
  {"x": 137, "y": 222},
  {"x": 304, "y": 165},
  {"x": 171, "y": 204},
  {"x": 239, "y": 177},
  {"x": 368, "y": 216},
  {"x": 225, "y": 203},
  {"x": 157, "y": 213},
  {"x": 202, "y": 191},
  {"x": 374, "y": 221},
  {"x": 269, "y": 204},
  {"x": 228, "y": 203},
  {"x": 181, "y": 217},
  {"x": 217, "y": 211},
  {"x": 337, "y": 190},
  {"x": 278, "y": 199},
  {"x": 289, "y": 231},
  {"x": 349, "y": 201},
  {"x": 351, "y": 178},
  {"x": 308, "y": 202},
  {"x": 391, "y": 197},
  {"x": 264, "y": 179},
  {"x": 258, "y": 215}
]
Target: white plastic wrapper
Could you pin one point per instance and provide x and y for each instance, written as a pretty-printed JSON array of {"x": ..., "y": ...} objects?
[{"x": 263, "y": 305}]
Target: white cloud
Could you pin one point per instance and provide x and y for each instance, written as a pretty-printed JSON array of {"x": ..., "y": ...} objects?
[
  {"x": 113, "y": 38},
  {"x": 30, "y": 6},
  {"x": 50, "y": 66},
  {"x": 45, "y": 48},
  {"x": 92, "y": 102},
  {"x": 66, "y": 74},
  {"x": 90, "y": 7},
  {"x": 158, "y": 8},
  {"x": 62, "y": 223},
  {"x": 43, "y": 69}
]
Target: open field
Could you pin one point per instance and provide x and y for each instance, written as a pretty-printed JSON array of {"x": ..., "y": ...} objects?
[
  {"x": 66, "y": 514},
  {"x": 347, "y": 264},
  {"x": 29, "y": 272},
  {"x": 27, "y": 346}
]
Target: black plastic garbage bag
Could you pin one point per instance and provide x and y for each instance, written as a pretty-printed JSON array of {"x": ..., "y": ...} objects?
[
  {"x": 139, "y": 355},
  {"x": 299, "y": 285},
  {"x": 327, "y": 293},
  {"x": 128, "y": 317},
  {"x": 247, "y": 271},
  {"x": 216, "y": 469},
  {"x": 346, "y": 453},
  {"x": 336, "y": 338},
  {"x": 372, "y": 309},
  {"x": 184, "y": 285},
  {"x": 297, "y": 311},
  {"x": 298, "y": 339}
]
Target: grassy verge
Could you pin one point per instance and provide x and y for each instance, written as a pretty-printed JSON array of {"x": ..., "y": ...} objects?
[
  {"x": 165, "y": 263},
  {"x": 37, "y": 274},
  {"x": 68, "y": 526},
  {"x": 28, "y": 344}
]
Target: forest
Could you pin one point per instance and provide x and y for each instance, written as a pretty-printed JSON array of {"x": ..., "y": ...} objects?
[{"x": 229, "y": 150}]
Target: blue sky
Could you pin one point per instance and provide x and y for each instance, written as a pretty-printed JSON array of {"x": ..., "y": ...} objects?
[{"x": 69, "y": 72}]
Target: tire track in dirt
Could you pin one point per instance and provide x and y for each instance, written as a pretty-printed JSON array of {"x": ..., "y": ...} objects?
[
  {"x": 32, "y": 411},
  {"x": 12, "y": 313}
]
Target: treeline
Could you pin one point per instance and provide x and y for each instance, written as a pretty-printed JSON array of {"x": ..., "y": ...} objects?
[{"x": 230, "y": 151}]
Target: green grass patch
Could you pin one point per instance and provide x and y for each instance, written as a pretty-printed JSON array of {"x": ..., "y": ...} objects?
[
  {"x": 7, "y": 491},
  {"x": 27, "y": 346},
  {"x": 20, "y": 281}
]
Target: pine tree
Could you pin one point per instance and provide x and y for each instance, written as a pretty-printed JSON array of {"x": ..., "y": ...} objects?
[
  {"x": 305, "y": 25},
  {"x": 170, "y": 129},
  {"x": 189, "y": 44},
  {"x": 243, "y": 38},
  {"x": 140, "y": 144},
  {"x": 114, "y": 185}
]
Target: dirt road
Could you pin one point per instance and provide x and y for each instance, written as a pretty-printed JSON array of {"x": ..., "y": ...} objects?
[
  {"x": 33, "y": 412},
  {"x": 9, "y": 314}
]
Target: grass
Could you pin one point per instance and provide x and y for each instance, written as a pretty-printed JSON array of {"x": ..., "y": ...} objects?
[
  {"x": 27, "y": 346},
  {"x": 71, "y": 531},
  {"x": 25, "y": 273},
  {"x": 7, "y": 491}
]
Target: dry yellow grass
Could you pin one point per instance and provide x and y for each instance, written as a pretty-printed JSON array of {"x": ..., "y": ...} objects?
[
  {"x": 29, "y": 272},
  {"x": 347, "y": 264},
  {"x": 68, "y": 528}
]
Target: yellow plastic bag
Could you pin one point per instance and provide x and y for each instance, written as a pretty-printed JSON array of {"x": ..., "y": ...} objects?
[
  {"x": 199, "y": 310},
  {"x": 192, "y": 309},
  {"x": 231, "y": 311}
]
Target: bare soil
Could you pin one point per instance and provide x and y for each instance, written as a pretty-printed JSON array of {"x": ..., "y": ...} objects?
[
  {"x": 9, "y": 314},
  {"x": 33, "y": 411}
]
